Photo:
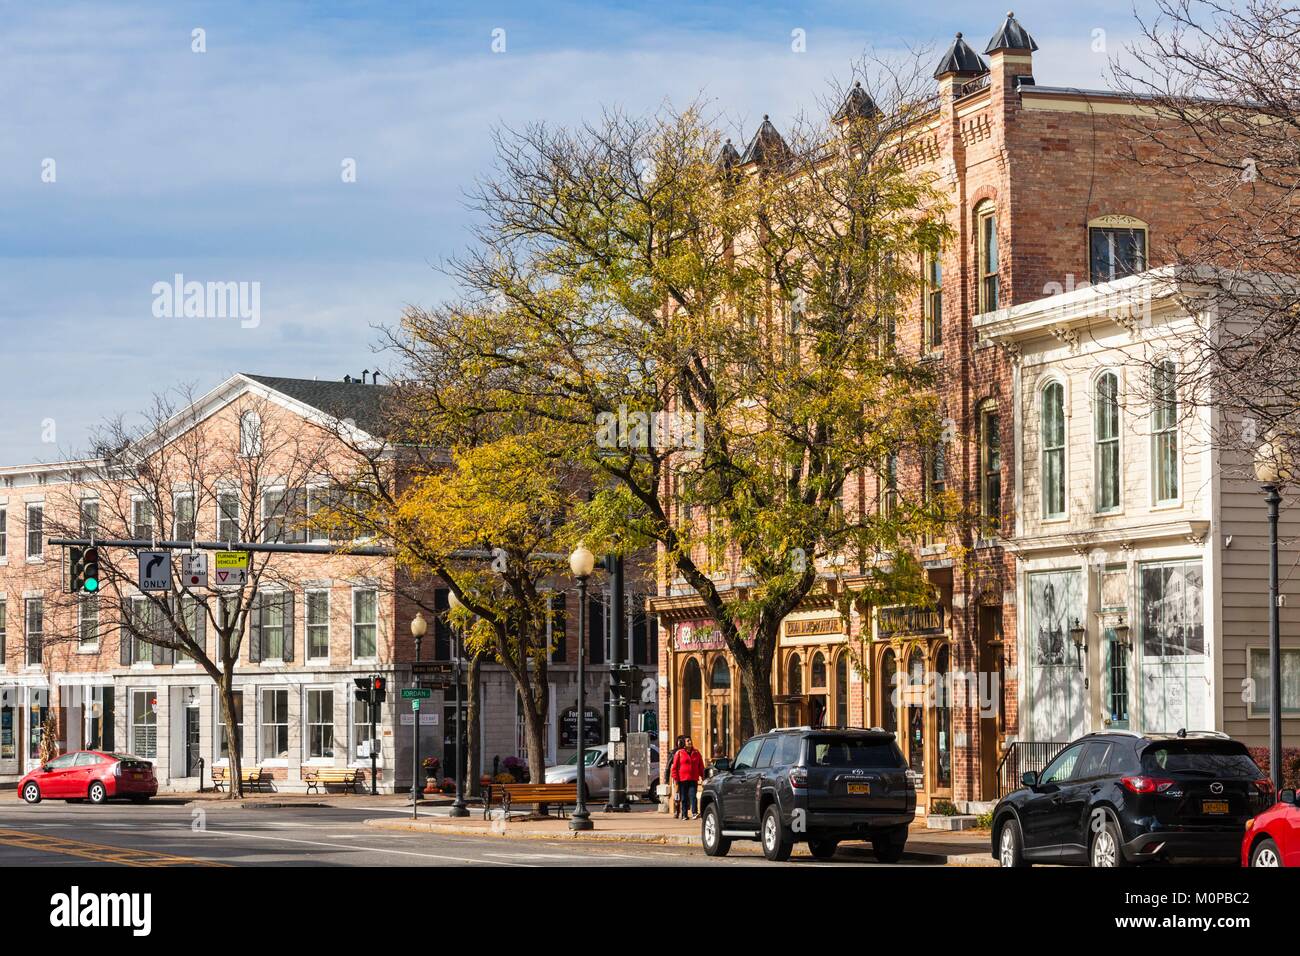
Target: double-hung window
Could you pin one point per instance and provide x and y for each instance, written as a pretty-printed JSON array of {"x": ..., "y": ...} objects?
[
  {"x": 35, "y": 530},
  {"x": 320, "y": 724},
  {"x": 274, "y": 717},
  {"x": 1106, "y": 437},
  {"x": 1115, "y": 252},
  {"x": 1053, "y": 450},
  {"x": 933, "y": 304},
  {"x": 4, "y": 532},
  {"x": 365, "y": 623},
  {"x": 318, "y": 625},
  {"x": 986, "y": 231},
  {"x": 89, "y": 517},
  {"x": 1164, "y": 432},
  {"x": 183, "y": 523},
  {"x": 34, "y": 614},
  {"x": 142, "y": 519},
  {"x": 228, "y": 516},
  {"x": 990, "y": 465},
  {"x": 88, "y": 622}
]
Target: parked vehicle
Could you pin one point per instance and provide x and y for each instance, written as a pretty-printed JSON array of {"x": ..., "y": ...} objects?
[
  {"x": 819, "y": 786},
  {"x": 1117, "y": 798},
  {"x": 92, "y": 775},
  {"x": 596, "y": 772},
  {"x": 1273, "y": 837}
]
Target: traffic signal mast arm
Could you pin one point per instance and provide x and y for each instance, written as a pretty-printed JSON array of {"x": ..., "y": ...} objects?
[{"x": 371, "y": 551}]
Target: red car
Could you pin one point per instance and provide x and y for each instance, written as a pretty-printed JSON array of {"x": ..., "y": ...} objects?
[
  {"x": 90, "y": 775},
  {"x": 1273, "y": 837}
]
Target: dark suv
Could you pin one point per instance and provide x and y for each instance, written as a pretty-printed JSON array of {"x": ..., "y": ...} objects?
[
  {"x": 807, "y": 784},
  {"x": 1117, "y": 798}
]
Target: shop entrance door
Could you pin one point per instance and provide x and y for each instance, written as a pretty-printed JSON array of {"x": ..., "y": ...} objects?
[
  {"x": 192, "y": 741},
  {"x": 992, "y": 675}
]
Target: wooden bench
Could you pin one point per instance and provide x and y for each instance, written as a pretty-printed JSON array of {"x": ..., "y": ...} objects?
[
  {"x": 540, "y": 795},
  {"x": 254, "y": 777},
  {"x": 318, "y": 777}
]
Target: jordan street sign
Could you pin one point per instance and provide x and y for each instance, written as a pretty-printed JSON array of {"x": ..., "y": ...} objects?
[{"x": 416, "y": 693}]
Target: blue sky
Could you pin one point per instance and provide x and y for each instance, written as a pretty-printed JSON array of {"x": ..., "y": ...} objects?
[{"x": 226, "y": 165}]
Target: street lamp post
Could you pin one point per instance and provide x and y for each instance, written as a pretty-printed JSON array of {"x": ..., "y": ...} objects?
[
  {"x": 582, "y": 562},
  {"x": 1271, "y": 470},
  {"x": 419, "y": 627},
  {"x": 458, "y": 808}
]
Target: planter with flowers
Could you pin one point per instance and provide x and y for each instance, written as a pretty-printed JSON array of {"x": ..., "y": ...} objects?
[{"x": 431, "y": 767}]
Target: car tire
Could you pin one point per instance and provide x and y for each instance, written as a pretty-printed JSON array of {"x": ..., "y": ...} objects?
[
  {"x": 1104, "y": 850},
  {"x": 715, "y": 844},
  {"x": 823, "y": 849},
  {"x": 890, "y": 846},
  {"x": 1011, "y": 845},
  {"x": 31, "y": 792},
  {"x": 1265, "y": 853},
  {"x": 97, "y": 793},
  {"x": 775, "y": 836}
]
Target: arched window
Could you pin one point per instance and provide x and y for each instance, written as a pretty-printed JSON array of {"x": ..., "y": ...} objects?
[
  {"x": 886, "y": 691},
  {"x": 818, "y": 681},
  {"x": 250, "y": 434},
  {"x": 1053, "y": 438},
  {"x": 720, "y": 676},
  {"x": 693, "y": 700},
  {"x": 794, "y": 675},
  {"x": 1106, "y": 428},
  {"x": 990, "y": 464},
  {"x": 916, "y": 714},
  {"x": 1164, "y": 431},
  {"x": 986, "y": 233},
  {"x": 943, "y": 720},
  {"x": 842, "y": 690}
]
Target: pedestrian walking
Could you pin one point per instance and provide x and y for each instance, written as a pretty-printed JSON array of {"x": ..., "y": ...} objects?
[
  {"x": 688, "y": 771},
  {"x": 674, "y": 794}
]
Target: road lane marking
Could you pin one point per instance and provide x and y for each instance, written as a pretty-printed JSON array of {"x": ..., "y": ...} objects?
[
  {"x": 368, "y": 849},
  {"x": 99, "y": 852}
]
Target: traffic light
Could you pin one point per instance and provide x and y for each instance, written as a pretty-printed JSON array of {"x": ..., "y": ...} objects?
[
  {"x": 379, "y": 686},
  {"x": 362, "y": 693},
  {"x": 83, "y": 570}
]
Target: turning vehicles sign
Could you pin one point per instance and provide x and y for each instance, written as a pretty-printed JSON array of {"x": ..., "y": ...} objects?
[{"x": 230, "y": 568}]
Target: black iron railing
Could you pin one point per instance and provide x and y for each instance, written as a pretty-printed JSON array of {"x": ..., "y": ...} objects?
[{"x": 1022, "y": 756}]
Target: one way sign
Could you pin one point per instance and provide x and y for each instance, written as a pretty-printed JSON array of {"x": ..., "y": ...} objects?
[{"x": 155, "y": 570}]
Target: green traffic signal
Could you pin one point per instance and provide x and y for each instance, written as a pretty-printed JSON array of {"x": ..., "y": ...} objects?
[{"x": 91, "y": 584}]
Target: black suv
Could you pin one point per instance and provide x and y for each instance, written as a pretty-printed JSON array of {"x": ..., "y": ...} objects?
[
  {"x": 1117, "y": 798},
  {"x": 820, "y": 785}
]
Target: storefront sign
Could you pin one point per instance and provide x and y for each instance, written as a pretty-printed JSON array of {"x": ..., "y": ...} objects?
[
  {"x": 702, "y": 635},
  {"x": 906, "y": 619},
  {"x": 814, "y": 628}
]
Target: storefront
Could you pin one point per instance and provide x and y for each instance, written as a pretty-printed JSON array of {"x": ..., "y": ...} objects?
[
  {"x": 712, "y": 704},
  {"x": 816, "y": 674},
  {"x": 912, "y": 692}
]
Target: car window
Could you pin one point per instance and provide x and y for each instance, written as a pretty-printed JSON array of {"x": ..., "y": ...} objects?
[
  {"x": 87, "y": 760},
  {"x": 1123, "y": 760},
  {"x": 62, "y": 763},
  {"x": 1093, "y": 761},
  {"x": 867, "y": 752},
  {"x": 765, "y": 755},
  {"x": 791, "y": 744},
  {"x": 1061, "y": 769},
  {"x": 1209, "y": 758},
  {"x": 748, "y": 754}
]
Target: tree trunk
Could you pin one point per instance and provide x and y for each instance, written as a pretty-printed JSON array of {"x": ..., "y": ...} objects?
[
  {"x": 234, "y": 767},
  {"x": 535, "y": 740},
  {"x": 474, "y": 741},
  {"x": 757, "y": 671}
]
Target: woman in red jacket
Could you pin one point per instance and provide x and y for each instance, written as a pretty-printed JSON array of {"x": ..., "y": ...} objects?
[{"x": 687, "y": 771}]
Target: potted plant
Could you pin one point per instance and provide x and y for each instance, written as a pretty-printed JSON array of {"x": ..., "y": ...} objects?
[
  {"x": 517, "y": 769},
  {"x": 431, "y": 767}
]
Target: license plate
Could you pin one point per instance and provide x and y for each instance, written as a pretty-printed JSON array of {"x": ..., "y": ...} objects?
[
  {"x": 1214, "y": 806},
  {"x": 859, "y": 788},
  {"x": 137, "y": 776}
]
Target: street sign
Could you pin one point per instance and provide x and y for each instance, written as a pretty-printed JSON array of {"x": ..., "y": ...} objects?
[
  {"x": 432, "y": 667},
  {"x": 415, "y": 703},
  {"x": 155, "y": 570},
  {"x": 230, "y": 568},
  {"x": 194, "y": 570},
  {"x": 416, "y": 693}
]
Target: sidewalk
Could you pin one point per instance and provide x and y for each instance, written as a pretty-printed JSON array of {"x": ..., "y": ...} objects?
[{"x": 965, "y": 848}]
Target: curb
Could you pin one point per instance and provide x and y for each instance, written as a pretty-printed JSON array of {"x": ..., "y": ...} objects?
[{"x": 633, "y": 836}]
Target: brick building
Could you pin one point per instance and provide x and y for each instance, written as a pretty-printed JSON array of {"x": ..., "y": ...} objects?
[
  {"x": 1041, "y": 200},
  {"x": 247, "y": 450}
]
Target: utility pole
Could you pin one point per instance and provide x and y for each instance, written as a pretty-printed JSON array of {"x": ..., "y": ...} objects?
[{"x": 617, "y": 712}]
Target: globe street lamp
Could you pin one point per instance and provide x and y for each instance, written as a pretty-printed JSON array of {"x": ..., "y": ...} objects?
[
  {"x": 458, "y": 808},
  {"x": 419, "y": 628},
  {"x": 582, "y": 562},
  {"x": 1272, "y": 468}
]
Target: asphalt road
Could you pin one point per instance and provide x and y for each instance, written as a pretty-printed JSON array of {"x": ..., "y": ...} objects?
[{"x": 55, "y": 833}]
